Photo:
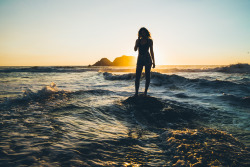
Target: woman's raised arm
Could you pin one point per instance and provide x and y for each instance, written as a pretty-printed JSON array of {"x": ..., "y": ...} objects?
[{"x": 136, "y": 44}]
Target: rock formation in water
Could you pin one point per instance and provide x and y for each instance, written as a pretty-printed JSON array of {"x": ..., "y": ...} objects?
[
  {"x": 103, "y": 62},
  {"x": 119, "y": 61}
]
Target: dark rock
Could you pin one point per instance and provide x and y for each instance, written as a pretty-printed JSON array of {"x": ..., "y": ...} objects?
[
  {"x": 103, "y": 62},
  {"x": 153, "y": 111},
  {"x": 144, "y": 102}
]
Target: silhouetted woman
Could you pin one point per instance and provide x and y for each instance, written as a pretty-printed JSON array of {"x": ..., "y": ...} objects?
[{"x": 144, "y": 42}]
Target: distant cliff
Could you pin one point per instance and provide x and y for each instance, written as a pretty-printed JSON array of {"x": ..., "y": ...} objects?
[
  {"x": 103, "y": 62},
  {"x": 119, "y": 61}
]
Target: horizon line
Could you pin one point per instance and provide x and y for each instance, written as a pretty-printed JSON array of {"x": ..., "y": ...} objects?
[{"x": 122, "y": 66}]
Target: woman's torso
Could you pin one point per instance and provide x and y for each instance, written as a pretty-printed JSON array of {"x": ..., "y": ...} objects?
[
  {"x": 144, "y": 56},
  {"x": 143, "y": 47}
]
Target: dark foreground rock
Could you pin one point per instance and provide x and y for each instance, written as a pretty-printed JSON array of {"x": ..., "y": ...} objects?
[
  {"x": 144, "y": 102},
  {"x": 151, "y": 110}
]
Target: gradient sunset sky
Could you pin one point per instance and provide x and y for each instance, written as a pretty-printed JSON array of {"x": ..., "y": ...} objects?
[{"x": 80, "y": 32}]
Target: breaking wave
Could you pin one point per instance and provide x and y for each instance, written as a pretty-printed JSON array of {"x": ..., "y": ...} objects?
[
  {"x": 235, "y": 68},
  {"x": 47, "y": 93},
  {"x": 110, "y": 76},
  {"x": 159, "y": 79}
]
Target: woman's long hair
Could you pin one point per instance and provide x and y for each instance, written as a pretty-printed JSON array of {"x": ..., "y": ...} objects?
[{"x": 140, "y": 33}]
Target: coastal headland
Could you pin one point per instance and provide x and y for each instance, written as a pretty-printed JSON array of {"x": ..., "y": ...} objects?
[{"x": 119, "y": 61}]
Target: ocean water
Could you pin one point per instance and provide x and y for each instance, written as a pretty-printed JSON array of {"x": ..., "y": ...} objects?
[{"x": 83, "y": 116}]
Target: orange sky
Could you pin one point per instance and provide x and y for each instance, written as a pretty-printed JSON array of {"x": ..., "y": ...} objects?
[{"x": 211, "y": 32}]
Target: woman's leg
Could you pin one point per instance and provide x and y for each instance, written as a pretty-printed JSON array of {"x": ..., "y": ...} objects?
[
  {"x": 137, "y": 78},
  {"x": 147, "y": 75}
]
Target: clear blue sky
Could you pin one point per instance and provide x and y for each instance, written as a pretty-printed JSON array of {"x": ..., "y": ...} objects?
[{"x": 80, "y": 32}]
